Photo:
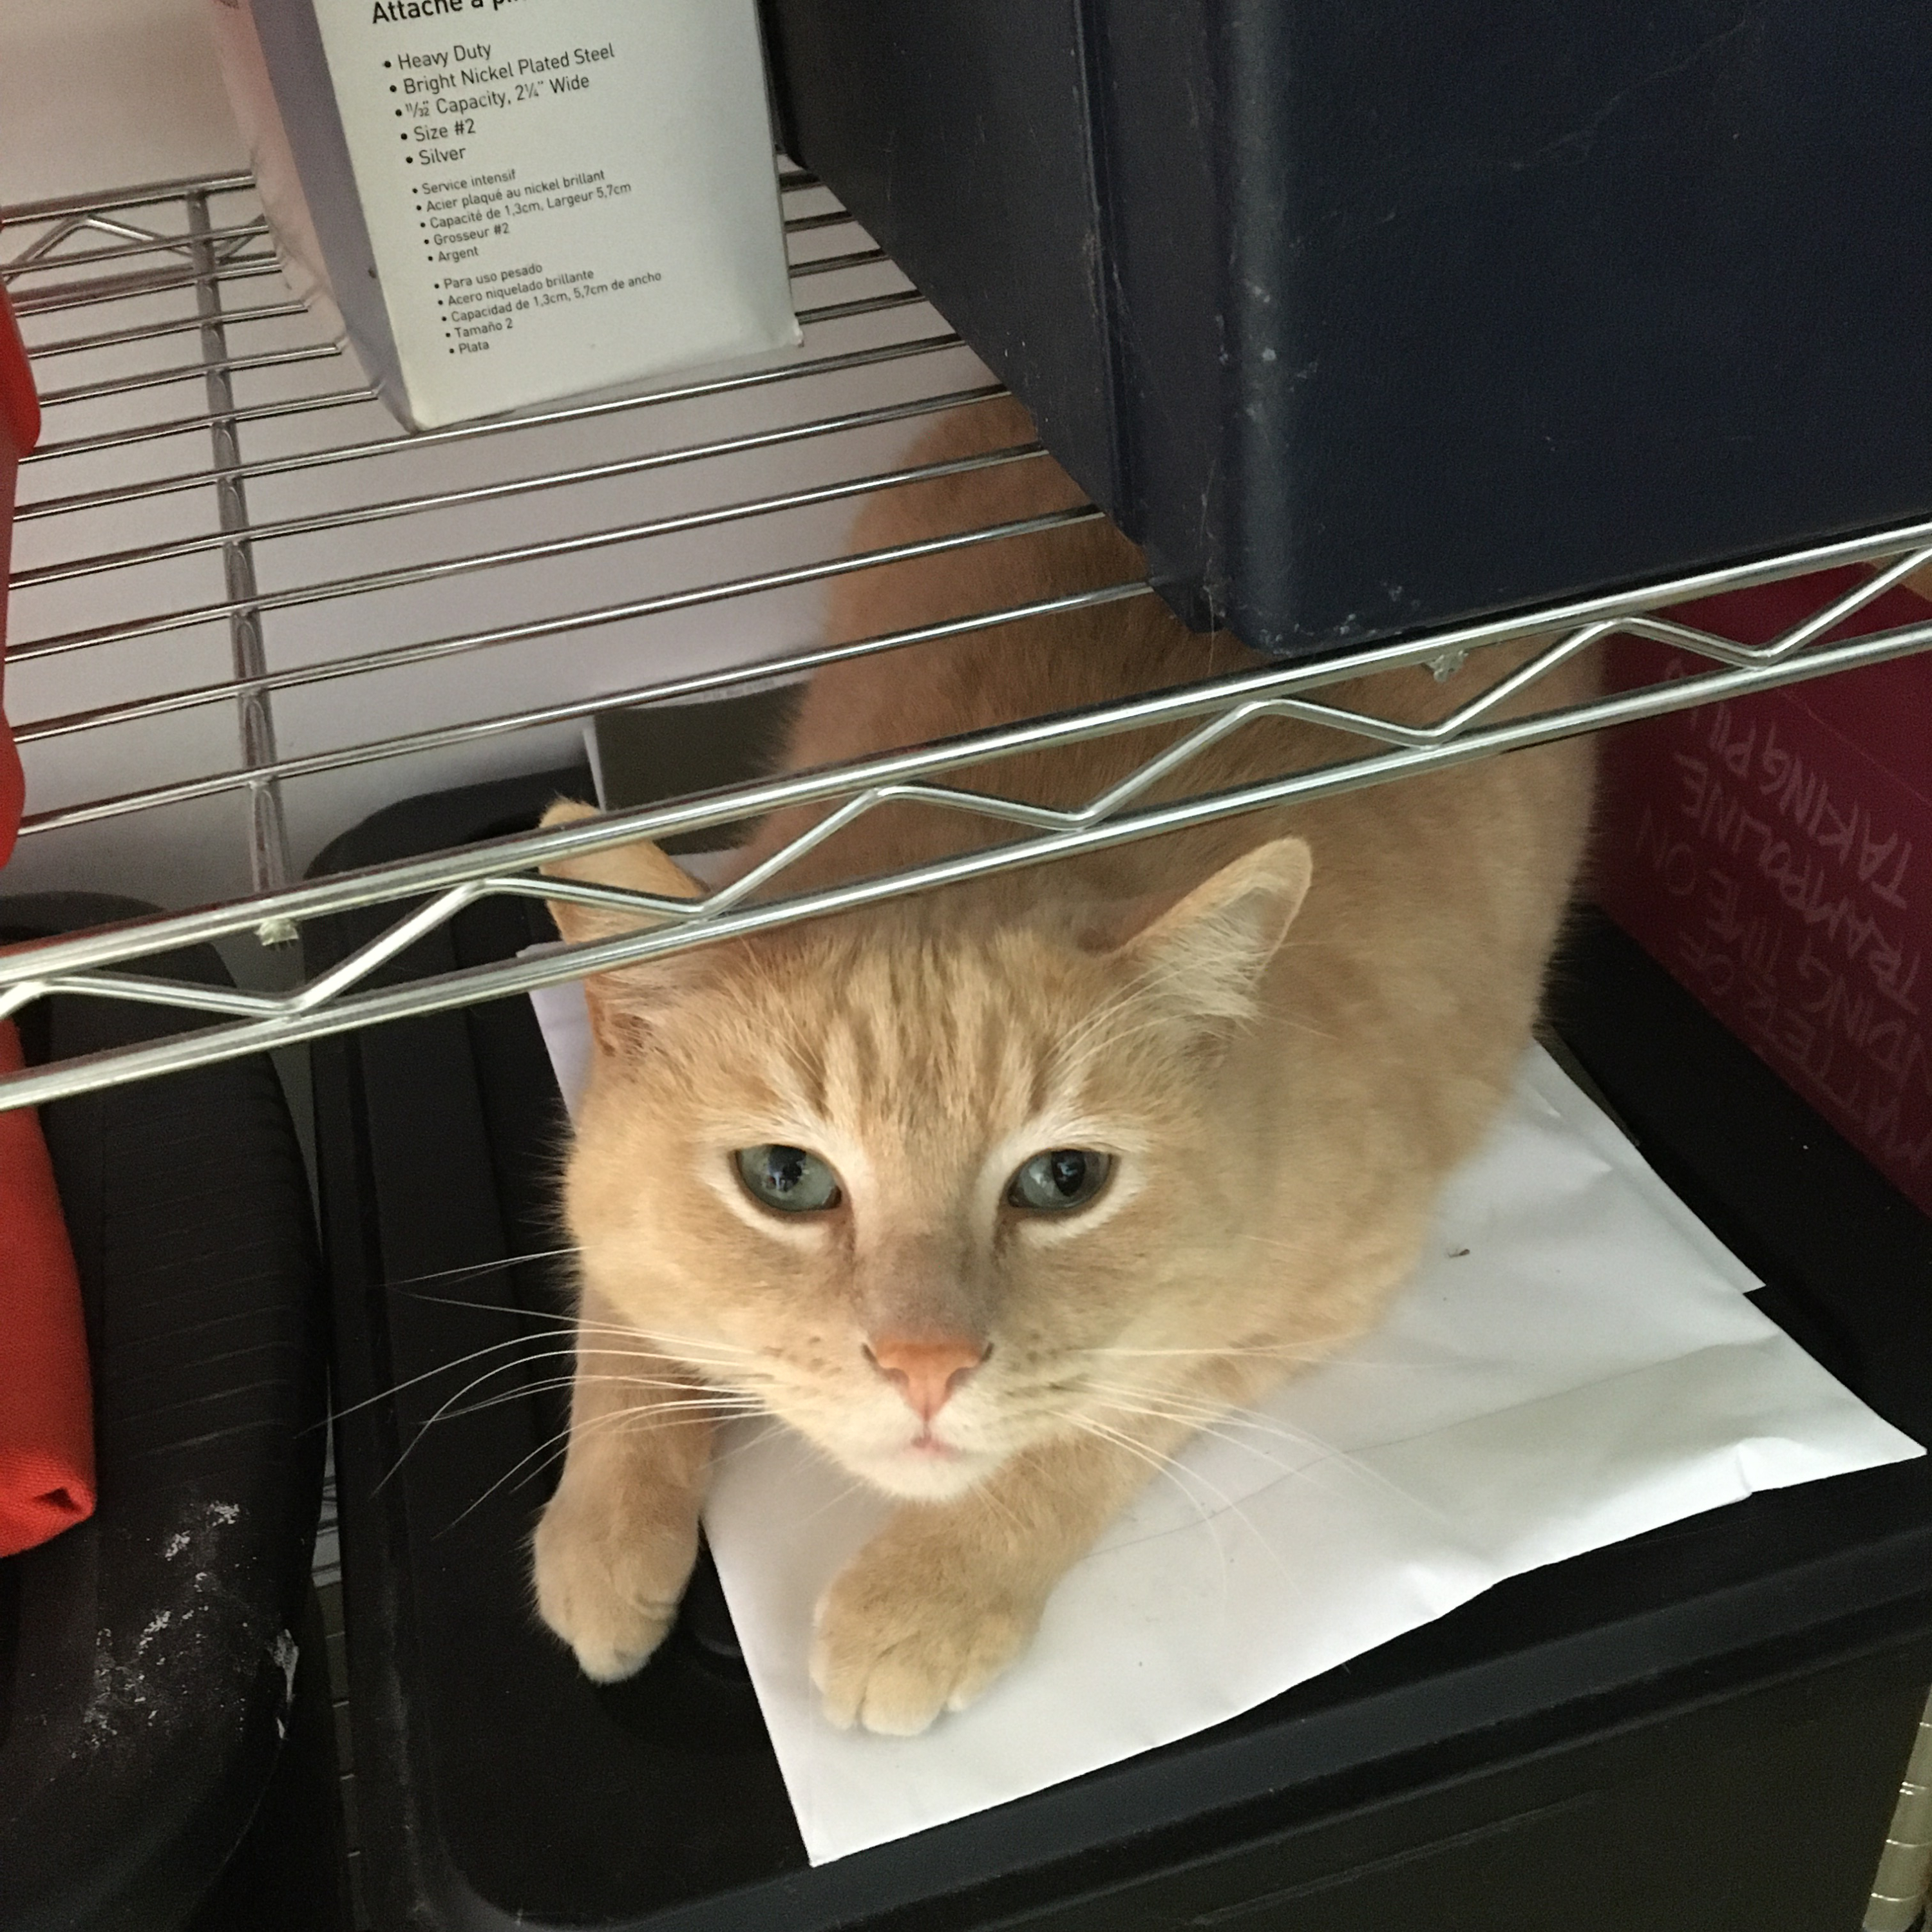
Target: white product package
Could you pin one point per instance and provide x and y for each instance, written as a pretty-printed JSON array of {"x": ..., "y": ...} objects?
[
  {"x": 244, "y": 72},
  {"x": 513, "y": 201},
  {"x": 1574, "y": 1362}
]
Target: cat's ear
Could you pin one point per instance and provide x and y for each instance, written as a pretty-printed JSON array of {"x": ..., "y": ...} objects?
[
  {"x": 617, "y": 999},
  {"x": 1206, "y": 954},
  {"x": 639, "y": 867}
]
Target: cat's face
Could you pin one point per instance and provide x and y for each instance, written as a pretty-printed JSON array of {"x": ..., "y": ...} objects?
[{"x": 931, "y": 1195}]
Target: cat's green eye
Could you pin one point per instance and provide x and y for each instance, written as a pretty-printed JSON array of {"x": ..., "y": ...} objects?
[
  {"x": 792, "y": 1180},
  {"x": 1061, "y": 1178}
]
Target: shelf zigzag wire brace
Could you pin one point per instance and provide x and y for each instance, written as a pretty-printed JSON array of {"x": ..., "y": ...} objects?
[
  {"x": 442, "y": 885},
  {"x": 425, "y": 892}
]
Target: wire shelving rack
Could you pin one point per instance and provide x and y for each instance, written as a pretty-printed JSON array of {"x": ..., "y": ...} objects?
[{"x": 221, "y": 526}]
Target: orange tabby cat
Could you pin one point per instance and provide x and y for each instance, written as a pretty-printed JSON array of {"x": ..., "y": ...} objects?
[{"x": 998, "y": 1193}]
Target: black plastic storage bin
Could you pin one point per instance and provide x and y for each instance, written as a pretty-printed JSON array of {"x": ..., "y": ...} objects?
[
  {"x": 167, "y": 1756},
  {"x": 1700, "y": 1730},
  {"x": 1368, "y": 318}
]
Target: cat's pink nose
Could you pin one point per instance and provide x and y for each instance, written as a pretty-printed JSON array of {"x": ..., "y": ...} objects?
[{"x": 926, "y": 1372}]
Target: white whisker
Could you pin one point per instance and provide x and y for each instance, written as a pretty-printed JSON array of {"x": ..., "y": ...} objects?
[
  {"x": 1215, "y": 1421},
  {"x": 443, "y": 1368},
  {"x": 575, "y": 1324},
  {"x": 773, "y": 1423},
  {"x": 560, "y": 1443},
  {"x": 1162, "y": 1465},
  {"x": 444, "y": 1410},
  {"x": 480, "y": 1267},
  {"x": 721, "y": 1406},
  {"x": 1279, "y": 1351}
]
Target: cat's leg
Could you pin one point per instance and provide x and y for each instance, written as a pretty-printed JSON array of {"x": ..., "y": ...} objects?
[
  {"x": 947, "y": 1594},
  {"x": 616, "y": 1543}
]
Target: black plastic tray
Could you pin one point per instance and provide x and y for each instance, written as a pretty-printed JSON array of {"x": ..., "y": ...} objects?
[
  {"x": 1704, "y": 1727},
  {"x": 1367, "y": 318}
]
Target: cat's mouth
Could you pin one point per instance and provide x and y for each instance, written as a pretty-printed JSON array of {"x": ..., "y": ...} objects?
[
  {"x": 924, "y": 1466},
  {"x": 930, "y": 1458}
]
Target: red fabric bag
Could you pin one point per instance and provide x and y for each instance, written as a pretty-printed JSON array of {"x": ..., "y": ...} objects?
[
  {"x": 1775, "y": 853},
  {"x": 19, "y": 430},
  {"x": 46, "y": 1422}
]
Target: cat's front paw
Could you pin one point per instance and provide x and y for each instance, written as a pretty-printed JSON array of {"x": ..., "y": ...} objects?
[
  {"x": 609, "y": 1587},
  {"x": 901, "y": 1637}
]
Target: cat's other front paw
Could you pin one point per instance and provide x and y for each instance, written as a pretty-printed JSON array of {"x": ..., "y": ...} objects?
[
  {"x": 609, "y": 1587},
  {"x": 900, "y": 1637}
]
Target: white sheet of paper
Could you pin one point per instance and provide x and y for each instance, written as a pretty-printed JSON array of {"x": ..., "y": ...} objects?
[{"x": 1575, "y": 1362}]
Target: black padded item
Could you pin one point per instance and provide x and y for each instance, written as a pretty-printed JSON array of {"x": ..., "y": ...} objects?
[
  {"x": 290, "y": 1873},
  {"x": 1700, "y": 1730},
  {"x": 147, "y": 1657},
  {"x": 1364, "y": 319}
]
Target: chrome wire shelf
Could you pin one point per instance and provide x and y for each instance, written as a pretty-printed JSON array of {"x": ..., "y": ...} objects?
[
  {"x": 196, "y": 245},
  {"x": 384, "y": 563}
]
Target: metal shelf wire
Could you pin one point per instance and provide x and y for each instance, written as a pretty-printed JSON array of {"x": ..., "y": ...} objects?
[{"x": 194, "y": 575}]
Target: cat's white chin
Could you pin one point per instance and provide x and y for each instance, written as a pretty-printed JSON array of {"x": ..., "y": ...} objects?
[{"x": 916, "y": 1475}]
